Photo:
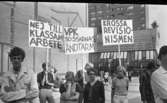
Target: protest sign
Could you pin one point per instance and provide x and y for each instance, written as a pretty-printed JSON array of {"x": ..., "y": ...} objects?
[
  {"x": 78, "y": 40},
  {"x": 45, "y": 35},
  {"x": 117, "y": 31}
]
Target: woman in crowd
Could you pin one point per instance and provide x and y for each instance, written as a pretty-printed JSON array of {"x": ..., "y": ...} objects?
[
  {"x": 106, "y": 78},
  {"x": 53, "y": 71},
  {"x": 69, "y": 90},
  {"x": 79, "y": 80},
  {"x": 94, "y": 89},
  {"x": 120, "y": 86}
]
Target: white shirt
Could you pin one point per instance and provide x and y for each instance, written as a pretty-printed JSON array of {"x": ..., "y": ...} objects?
[
  {"x": 159, "y": 84},
  {"x": 22, "y": 84}
]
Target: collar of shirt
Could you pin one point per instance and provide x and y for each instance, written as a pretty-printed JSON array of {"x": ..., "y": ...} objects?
[
  {"x": 162, "y": 70},
  {"x": 10, "y": 74}
]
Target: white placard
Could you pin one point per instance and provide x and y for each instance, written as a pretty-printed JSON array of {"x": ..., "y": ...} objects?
[
  {"x": 117, "y": 31},
  {"x": 45, "y": 35},
  {"x": 78, "y": 40}
]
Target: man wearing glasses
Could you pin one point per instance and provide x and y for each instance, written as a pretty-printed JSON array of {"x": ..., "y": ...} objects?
[
  {"x": 20, "y": 85},
  {"x": 94, "y": 89}
]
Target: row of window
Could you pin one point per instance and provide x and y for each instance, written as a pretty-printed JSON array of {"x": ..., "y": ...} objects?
[
  {"x": 111, "y": 7},
  {"x": 136, "y": 55},
  {"x": 94, "y": 19},
  {"x": 109, "y": 12}
]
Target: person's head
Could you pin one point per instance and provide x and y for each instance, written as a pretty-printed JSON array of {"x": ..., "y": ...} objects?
[
  {"x": 69, "y": 76},
  {"x": 121, "y": 72},
  {"x": 151, "y": 65},
  {"x": 88, "y": 66},
  {"x": 17, "y": 56},
  {"x": 92, "y": 74},
  {"x": 44, "y": 66},
  {"x": 163, "y": 54},
  {"x": 53, "y": 70},
  {"x": 79, "y": 76}
]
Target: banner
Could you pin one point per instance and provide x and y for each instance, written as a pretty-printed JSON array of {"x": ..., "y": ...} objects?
[
  {"x": 45, "y": 35},
  {"x": 78, "y": 40},
  {"x": 117, "y": 32}
]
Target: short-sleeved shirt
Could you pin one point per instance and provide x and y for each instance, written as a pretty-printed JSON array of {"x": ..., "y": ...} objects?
[
  {"x": 159, "y": 84},
  {"x": 19, "y": 85},
  {"x": 120, "y": 86}
]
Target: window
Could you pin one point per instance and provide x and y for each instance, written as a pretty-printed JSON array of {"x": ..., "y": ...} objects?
[
  {"x": 107, "y": 11},
  {"x": 143, "y": 25},
  {"x": 138, "y": 28},
  {"x": 99, "y": 18},
  {"x": 130, "y": 14},
  {"x": 98, "y": 7},
  {"x": 91, "y": 7},
  {"x": 92, "y": 24},
  {"x": 121, "y": 9},
  {"x": 142, "y": 18},
  {"x": 99, "y": 12},
  {"x": 92, "y": 13},
  {"x": 130, "y": 8},
  {"x": 142, "y": 6},
  {"x": 118, "y": 9},
  {"x": 107, "y": 5},
  {"x": 92, "y": 19}
]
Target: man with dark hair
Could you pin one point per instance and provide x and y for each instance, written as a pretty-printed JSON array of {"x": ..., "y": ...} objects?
[
  {"x": 20, "y": 85},
  {"x": 46, "y": 85},
  {"x": 159, "y": 78},
  {"x": 94, "y": 89},
  {"x": 145, "y": 83}
]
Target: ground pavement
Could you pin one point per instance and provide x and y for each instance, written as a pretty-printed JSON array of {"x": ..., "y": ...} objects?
[{"x": 133, "y": 94}]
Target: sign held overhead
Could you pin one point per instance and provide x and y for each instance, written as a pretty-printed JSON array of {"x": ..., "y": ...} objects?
[
  {"x": 78, "y": 40},
  {"x": 45, "y": 35},
  {"x": 117, "y": 31}
]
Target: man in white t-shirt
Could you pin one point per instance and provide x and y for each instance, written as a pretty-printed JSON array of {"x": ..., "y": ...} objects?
[{"x": 159, "y": 78}]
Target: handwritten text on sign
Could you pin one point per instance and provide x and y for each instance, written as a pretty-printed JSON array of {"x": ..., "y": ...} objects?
[
  {"x": 117, "y": 32},
  {"x": 78, "y": 40},
  {"x": 45, "y": 35}
]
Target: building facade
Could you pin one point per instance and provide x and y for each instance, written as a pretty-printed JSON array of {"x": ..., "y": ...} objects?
[
  {"x": 106, "y": 57},
  {"x": 14, "y": 20},
  {"x": 99, "y": 11}
]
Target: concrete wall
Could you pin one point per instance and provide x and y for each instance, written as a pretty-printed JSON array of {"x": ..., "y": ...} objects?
[{"x": 25, "y": 11}]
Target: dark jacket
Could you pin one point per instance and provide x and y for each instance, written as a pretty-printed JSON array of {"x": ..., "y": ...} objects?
[
  {"x": 98, "y": 95},
  {"x": 145, "y": 87},
  {"x": 40, "y": 77}
]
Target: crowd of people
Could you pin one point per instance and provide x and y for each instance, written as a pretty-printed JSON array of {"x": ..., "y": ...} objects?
[{"x": 20, "y": 85}]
